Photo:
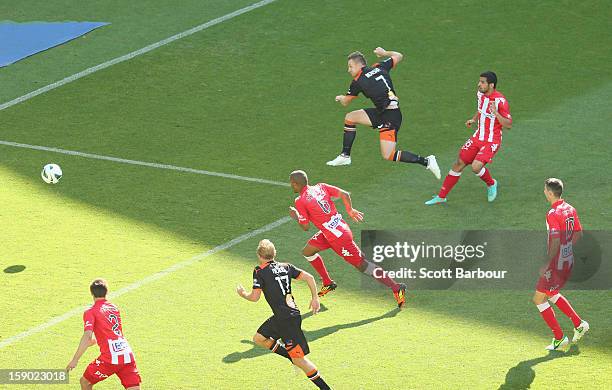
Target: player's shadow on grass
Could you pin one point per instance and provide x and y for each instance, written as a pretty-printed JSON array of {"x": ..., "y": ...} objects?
[
  {"x": 522, "y": 375},
  {"x": 312, "y": 335},
  {"x": 13, "y": 269}
]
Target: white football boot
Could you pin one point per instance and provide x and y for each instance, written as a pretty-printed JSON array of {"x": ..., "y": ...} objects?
[
  {"x": 580, "y": 331},
  {"x": 558, "y": 344},
  {"x": 340, "y": 160},
  {"x": 432, "y": 165}
]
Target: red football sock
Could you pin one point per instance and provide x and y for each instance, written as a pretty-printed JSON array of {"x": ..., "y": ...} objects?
[
  {"x": 485, "y": 175},
  {"x": 371, "y": 269},
  {"x": 548, "y": 314},
  {"x": 387, "y": 281},
  {"x": 567, "y": 309},
  {"x": 317, "y": 263},
  {"x": 449, "y": 182}
]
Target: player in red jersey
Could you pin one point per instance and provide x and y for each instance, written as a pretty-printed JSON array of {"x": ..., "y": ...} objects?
[
  {"x": 492, "y": 115},
  {"x": 564, "y": 230},
  {"x": 103, "y": 324},
  {"x": 315, "y": 204}
]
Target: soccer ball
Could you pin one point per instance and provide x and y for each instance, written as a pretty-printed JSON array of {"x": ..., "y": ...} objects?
[{"x": 51, "y": 173}]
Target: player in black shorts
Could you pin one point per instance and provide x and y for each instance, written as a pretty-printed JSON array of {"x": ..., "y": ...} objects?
[
  {"x": 274, "y": 279},
  {"x": 375, "y": 83}
]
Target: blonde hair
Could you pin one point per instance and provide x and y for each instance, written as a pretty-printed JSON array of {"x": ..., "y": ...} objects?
[{"x": 266, "y": 250}]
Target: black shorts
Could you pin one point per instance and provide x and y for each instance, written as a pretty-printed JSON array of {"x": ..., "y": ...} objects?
[
  {"x": 290, "y": 331},
  {"x": 387, "y": 119}
]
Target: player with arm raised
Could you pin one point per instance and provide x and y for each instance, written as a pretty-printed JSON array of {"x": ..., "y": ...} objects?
[
  {"x": 274, "y": 279},
  {"x": 564, "y": 230},
  {"x": 103, "y": 325},
  {"x": 492, "y": 115},
  {"x": 315, "y": 204},
  {"x": 375, "y": 83}
]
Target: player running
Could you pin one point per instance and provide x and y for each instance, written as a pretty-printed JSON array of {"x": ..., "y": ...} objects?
[
  {"x": 375, "y": 83},
  {"x": 274, "y": 279},
  {"x": 492, "y": 115},
  {"x": 315, "y": 204},
  {"x": 564, "y": 230},
  {"x": 103, "y": 324}
]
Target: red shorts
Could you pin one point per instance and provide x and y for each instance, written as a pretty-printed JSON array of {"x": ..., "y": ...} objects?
[
  {"x": 551, "y": 282},
  {"x": 344, "y": 246},
  {"x": 98, "y": 371},
  {"x": 474, "y": 149}
]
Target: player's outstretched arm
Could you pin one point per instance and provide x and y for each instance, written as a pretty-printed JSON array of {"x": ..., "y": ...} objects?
[
  {"x": 356, "y": 215},
  {"x": 312, "y": 285},
  {"x": 396, "y": 55},
  {"x": 86, "y": 342},
  {"x": 345, "y": 99},
  {"x": 253, "y": 296}
]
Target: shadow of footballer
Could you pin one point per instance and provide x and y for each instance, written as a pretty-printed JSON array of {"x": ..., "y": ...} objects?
[
  {"x": 522, "y": 375},
  {"x": 312, "y": 335}
]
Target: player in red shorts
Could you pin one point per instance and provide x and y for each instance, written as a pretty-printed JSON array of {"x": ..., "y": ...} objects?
[
  {"x": 315, "y": 204},
  {"x": 103, "y": 324},
  {"x": 492, "y": 115},
  {"x": 564, "y": 231}
]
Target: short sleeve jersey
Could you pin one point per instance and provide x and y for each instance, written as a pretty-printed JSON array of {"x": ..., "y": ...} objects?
[
  {"x": 489, "y": 127},
  {"x": 274, "y": 279},
  {"x": 315, "y": 204},
  {"x": 561, "y": 222},
  {"x": 375, "y": 84},
  {"x": 104, "y": 319}
]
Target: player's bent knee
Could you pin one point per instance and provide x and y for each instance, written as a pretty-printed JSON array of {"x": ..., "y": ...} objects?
[
  {"x": 309, "y": 251},
  {"x": 459, "y": 165},
  {"x": 300, "y": 362},
  {"x": 85, "y": 383},
  {"x": 351, "y": 118},
  {"x": 538, "y": 299},
  {"x": 259, "y": 339}
]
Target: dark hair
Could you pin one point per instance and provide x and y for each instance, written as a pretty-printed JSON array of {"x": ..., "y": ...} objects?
[
  {"x": 358, "y": 56},
  {"x": 555, "y": 186},
  {"x": 491, "y": 77},
  {"x": 98, "y": 288}
]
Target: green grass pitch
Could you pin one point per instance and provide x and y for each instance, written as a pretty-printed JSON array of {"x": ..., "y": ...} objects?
[{"x": 254, "y": 96}]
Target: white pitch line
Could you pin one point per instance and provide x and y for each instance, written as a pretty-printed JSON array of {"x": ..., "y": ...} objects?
[
  {"x": 143, "y": 163},
  {"x": 142, "y": 282},
  {"x": 136, "y": 53}
]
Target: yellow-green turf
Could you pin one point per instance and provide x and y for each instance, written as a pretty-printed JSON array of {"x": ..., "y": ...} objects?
[{"x": 254, "y": 96}]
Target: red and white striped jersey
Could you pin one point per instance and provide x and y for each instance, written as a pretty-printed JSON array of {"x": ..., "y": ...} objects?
[{"x": 489, "y": 128}]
